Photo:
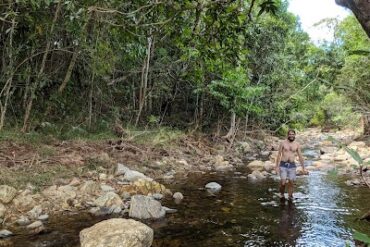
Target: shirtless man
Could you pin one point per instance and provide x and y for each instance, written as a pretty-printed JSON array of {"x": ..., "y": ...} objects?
[{"x": 285, "y": 163}]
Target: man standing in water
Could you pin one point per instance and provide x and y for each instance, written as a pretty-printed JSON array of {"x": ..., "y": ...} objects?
[{"x": 285, "y": 163}]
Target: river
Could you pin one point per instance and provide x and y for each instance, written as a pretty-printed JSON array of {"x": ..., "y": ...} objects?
[{"x": 244, "y": 213}]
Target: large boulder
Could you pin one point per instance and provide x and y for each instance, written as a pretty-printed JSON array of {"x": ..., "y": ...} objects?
[
  {"x": 108, "y": 200},
  {"x": 117, "y": 233},
  {"x": 256, "y": 165},
  {"x": 7, "y": 193},
  {"x": 23, "y": 203},
  {"x": 132, "y": 176},
  {"x": 145, "y": 207}
]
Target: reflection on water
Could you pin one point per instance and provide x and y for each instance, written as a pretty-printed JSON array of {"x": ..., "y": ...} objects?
[
  {"x": 243, "y": 213},
  {"x": 289, "y": 227}
]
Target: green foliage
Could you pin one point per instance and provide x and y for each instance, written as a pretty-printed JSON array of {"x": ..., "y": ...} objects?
[
  {"x": 361, "y": 237},
  {"x": 206, "y": 58},
  {"x": 338, "y": 110},
  {"x": 283, "y": 130},
  {"x": 235, "y": 93},
  {"x": 354, "y": 78},
  {"x": 162, "y": 136},
  {"x": 318, "y": 119}
]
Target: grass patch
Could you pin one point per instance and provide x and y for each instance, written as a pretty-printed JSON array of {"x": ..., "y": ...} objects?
[
  {"x": 49, "y": 135},
  {"x": 38, "y": 176},
  {"x": 160, "y": 137}
]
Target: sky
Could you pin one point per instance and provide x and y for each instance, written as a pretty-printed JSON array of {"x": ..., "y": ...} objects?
[{"x": 313, "y": 11}]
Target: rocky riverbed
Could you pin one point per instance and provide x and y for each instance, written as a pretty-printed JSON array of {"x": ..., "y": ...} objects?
[{"x": 126, "y": 192}]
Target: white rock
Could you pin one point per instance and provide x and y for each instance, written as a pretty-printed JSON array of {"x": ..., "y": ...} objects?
[
  {"x": 269, "y": 166},
  {"x": 169, "y": 210},
  {"x": 103, "y": 176},
  {"x": 36, "y": 227},
  {"x": 43, "y": 217},
  {"x": 109, "y": 199},
  {"x": 5, "y": 233},
  {"x": 132, "y": 176},
  {"x": 145, "y": 207},
  {"x": 117, "y": 233},
  {"x": 178, "y": 196},
  {"x": 35, "y": 224},
  {"x": 121, "y": 169},
  {"x": 213, "y": 187}
]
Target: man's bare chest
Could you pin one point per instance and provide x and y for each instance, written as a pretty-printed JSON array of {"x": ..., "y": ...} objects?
[{"x": 291, "y": 148}]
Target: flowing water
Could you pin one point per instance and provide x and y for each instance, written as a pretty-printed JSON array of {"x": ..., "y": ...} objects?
[{"x": 243, "y": 213}]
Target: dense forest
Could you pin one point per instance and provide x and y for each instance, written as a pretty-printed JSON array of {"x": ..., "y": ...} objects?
[{"x": 204, "y": 65}]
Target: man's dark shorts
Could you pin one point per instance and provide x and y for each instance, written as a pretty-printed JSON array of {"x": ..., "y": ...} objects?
[{"x": 288, "y": 170}]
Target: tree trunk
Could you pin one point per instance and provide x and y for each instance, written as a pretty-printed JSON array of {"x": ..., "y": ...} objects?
[
  {"x": 69, "y": 71},
  {"x": 366, "y": 123},
  {"x": 232, "y": 126},
  {"x": 41, "y": 71},
  {"x": 74, "y": 58},
  {"x": 8, "y": 84},
  {"x": 144, "y": 79},
  {"x": 361, "y": 9},
  {"x": 90, "y": 102}
]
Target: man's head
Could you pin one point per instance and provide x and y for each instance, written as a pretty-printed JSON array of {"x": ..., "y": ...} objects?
[{"x": 291, "y": 135}]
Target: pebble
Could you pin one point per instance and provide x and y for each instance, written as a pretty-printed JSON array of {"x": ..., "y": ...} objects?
[
  {"x": 35, "y": 224},
  {"x": 157, "y": 196},
  {"x": 169, "y": 210},
  {"x": 5, "y": 233},
  {"x": 43, "y": 217},
  {"x": 178, "y": 196},
  {"x": 23, "y": 220}
]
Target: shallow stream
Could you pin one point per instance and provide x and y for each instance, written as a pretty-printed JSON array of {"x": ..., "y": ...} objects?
[{"x": 243, "y": 213}]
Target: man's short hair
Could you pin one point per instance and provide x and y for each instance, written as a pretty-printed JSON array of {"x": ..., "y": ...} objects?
[{"x": 291, "y": 130}]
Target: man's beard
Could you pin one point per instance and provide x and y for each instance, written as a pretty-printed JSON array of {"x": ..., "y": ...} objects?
[{"x": 291, "y": 139}]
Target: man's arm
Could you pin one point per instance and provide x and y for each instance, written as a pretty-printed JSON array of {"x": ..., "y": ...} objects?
[
  {"x": 278, "y": 157},
  {"x": 300, "y": 156}
]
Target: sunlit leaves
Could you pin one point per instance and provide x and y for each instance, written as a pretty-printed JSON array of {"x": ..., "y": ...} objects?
[{"x": 235, "y": 92}]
